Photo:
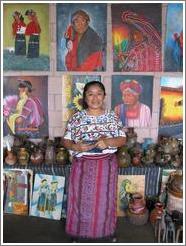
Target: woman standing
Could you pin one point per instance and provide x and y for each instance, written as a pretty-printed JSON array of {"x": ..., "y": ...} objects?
[
  {"x": 93, "y": 135},
  {"x": 18, "y": 32},
  {"x": 33, "y": 29}
]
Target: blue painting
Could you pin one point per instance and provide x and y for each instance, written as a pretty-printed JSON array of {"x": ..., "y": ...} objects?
[
  {"x": 132, "y": 99},
  {"x": 47, "y": 196},
  {"x": 174, "y": 38},
  {"x": 81, "y": 37}
]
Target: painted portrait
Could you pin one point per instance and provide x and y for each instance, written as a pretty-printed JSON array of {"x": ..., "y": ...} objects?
[
  {"x": 136, "y": 37},
  {"x": 174, "y": 38},
  {"x": 73, "y": 86},
  {"x": 132, "y": 99},
  {"x": 26, "y": 36},
  {"x": 25, "y": 105},
  {"x": 171, "y": 107},
  {"x": 81, "y": 37},
  {"x": 128, "y": 185},
  {"x": 47, "y": 196}
]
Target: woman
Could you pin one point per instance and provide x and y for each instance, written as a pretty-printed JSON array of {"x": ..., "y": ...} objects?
[
  {"x": 33, "y": 29},
  {"x": 84, "y": 45},
  {"x": 132, "y": 112},
  {"x": 18, "y": 32},
  {"x": 93, "y": 135}
]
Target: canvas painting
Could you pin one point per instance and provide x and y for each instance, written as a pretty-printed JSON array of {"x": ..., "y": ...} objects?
[
  {"x": 25, "y": 105},
  {"x": 136, "y": 37},
  {"x": 17, "y": 192},
  {"x": 171, "y": 107},
  {"x": 174, "y": 38},
  {"x": 72, "y": 87},
  {"x": 132, "y": 99},
  {"x": 47, "y": 196},
  {"x": 127, "y": 185},
  {"x": 81, "y": 36},
  {"x": 26, "y": 36}
]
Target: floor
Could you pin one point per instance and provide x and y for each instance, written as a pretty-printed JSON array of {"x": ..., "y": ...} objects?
[{"x": 23, "y": 229}]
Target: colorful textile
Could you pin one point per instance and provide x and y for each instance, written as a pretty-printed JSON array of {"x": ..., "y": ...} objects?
[
  {"x": 91, "y": 211},
  {"x": 84, "y": 127}
]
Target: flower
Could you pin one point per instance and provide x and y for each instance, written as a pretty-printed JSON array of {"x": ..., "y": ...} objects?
[{"x": 77, "y": 101}]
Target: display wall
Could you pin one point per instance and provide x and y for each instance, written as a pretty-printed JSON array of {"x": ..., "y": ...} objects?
[{"x": 111, "y": 73}]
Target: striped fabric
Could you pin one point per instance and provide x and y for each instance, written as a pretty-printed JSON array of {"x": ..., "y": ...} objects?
[{"x": 91, "y": 210}]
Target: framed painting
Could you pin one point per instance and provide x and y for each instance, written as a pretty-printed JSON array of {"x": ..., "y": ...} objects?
[
  {"x": 171, "y": 107},
  {"x": 47, "y": 196},
  {"x": 174, "y": 38},
  {"x": 25, "y": 105},
  {"x": 16, "y": 197},
  {"x": 132, "y": 99},
  {"x": 136, "y": 37},
  {"x": 72, "y": 87},
  {"x": 127, "y": 185},
  {"x": 26, "y": 36},
  {"x": 81, "y": 36}
]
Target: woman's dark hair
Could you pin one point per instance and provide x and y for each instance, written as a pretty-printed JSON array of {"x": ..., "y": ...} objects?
[{"x": 87, "y": 86}]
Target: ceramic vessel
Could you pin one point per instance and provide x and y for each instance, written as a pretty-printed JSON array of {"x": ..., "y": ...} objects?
[
  {"x": 50, "y": 153},
  {"x": 37, "y": 157},
  {"x": 23, "y": 156},
  {"x": 62, "y": 156},
  {"x": 10, "y": 158},
  {"x": 131, "y": 137},
  {"x": 156, "y": 213},
  {"x": 124, "y": 159}
]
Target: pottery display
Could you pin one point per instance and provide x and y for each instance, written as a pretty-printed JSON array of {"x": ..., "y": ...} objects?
[{"x": 23, "y": 156}]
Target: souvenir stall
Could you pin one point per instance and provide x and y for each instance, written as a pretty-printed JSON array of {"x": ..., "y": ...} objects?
[{"x": 138, "y": 50}]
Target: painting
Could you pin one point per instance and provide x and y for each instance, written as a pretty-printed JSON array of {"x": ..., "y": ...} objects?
[
  {"x": 72, "y": 87},
  {"x": 136, "y": 37},
  {"x": 81, "y": 36},
  {"x": 17, "y": 192},
  {"x": 26, "y": 36},
  {"x": 174, "y": 38},
  {"x": 171, "y": 107},
  {"x": 132, "y": 99},
  {"x": 25, "y": 106},
  {"x": 127, "y": 185},
  {"x": 47, "y": 196}
]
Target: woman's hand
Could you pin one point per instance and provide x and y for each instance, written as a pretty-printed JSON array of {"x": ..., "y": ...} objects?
[
  {"x": 82, "y": 147},
  {"x": 102, "y": 143}
]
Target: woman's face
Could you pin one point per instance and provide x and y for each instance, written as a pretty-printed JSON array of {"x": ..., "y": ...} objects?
[
  {"x": 130, "y": 98},
  {"x": 80, "y": 24},
  {"x": 94, "y": 97}
]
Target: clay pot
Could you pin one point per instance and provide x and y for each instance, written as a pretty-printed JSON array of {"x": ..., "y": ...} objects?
[
  {"x": 156, "y": 213},
  {"x": 123, "y": 157},
  {"x": 131, "y": 137},
  {"x": 10, "y": 159},
  {"x": 62, "y": 156},
  {"x": 37, "y": 157},
  {"x": 175, "y": 184},
  {"x": 23, "y": 156},
  {"x": 137, "y": 203}
]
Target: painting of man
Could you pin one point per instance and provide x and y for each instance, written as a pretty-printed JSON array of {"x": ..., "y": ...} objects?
[{"x": 82, "y": 39}]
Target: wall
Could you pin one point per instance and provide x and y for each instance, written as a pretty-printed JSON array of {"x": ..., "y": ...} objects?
[{"x": 55, "y": 93}]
